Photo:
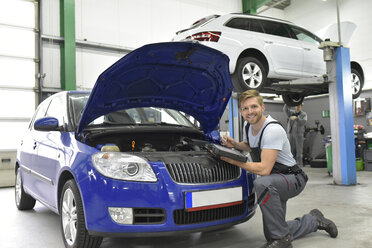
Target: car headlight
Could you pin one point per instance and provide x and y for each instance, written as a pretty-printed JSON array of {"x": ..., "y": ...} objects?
[{"x": 123, "y": 166}]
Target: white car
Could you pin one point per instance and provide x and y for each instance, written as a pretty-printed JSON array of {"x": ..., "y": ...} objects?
[{"x": 265, "y": 50}]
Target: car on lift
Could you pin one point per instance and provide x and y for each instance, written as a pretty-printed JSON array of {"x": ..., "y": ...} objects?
[
  {"x": 264, "y": 51},
  {"x": 123, "y": 160}
]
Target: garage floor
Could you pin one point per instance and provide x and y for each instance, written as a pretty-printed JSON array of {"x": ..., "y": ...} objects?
[{"x": 349, "y": 206}]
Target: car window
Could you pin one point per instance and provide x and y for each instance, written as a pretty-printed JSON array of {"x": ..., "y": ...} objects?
[
  {"x": 77, "y": 104},
  {"x": 135, "y": 115},
  {"x": 144, "y": 116},
  {"x": 239, "y": 23},
  {"x": 245, "y": 24},
  {"x": 255, "y": 26},
  {"x": 40, "y": 112},
  {"x": 57, "y": 109},
  {"x": 305, "y": 35},
  {"x": 275, "y": 28}
]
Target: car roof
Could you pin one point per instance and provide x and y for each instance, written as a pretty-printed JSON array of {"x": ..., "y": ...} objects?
[{"x": 260, "y": 17}]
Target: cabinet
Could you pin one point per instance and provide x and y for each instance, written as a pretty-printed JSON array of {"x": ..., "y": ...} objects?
[{"x": 368, "y": 160}]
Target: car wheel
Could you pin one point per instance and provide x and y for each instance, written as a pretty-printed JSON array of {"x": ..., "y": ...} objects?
[
  {"x": 23, "y": 200},
  {"x": 292, "y": 100},
  {"x": 74, "y": 232},
  {"x": 356, "y": 83},
  {"x": 250, "y": 74}
]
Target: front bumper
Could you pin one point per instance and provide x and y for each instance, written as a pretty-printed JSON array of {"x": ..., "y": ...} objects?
[{"x": 99, "y": 193}]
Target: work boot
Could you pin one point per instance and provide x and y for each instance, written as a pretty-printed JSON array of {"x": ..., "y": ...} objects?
[
  {"x": 324, "y": 223},
  {"x": 280, "y": 243}
]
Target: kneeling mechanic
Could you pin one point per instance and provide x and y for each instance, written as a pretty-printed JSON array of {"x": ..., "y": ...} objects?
[{"x": 280, "y": 178}]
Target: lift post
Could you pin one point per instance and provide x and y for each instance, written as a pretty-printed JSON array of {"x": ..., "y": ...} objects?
[
  {"x": 337, "y": 60},
  {"x": 235, "y": 125}
]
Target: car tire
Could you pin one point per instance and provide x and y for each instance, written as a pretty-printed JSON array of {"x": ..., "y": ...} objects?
[
  {"x": 292, "y": 100},
  {"x": 23, "y": 200},
  {"x": 250, "y": 74},
  {"x": 74, "y": 232},
  {"x": 356, "y": 83}
]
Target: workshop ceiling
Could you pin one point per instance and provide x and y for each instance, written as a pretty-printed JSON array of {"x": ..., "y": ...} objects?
[{"x": 279, "y": 4}]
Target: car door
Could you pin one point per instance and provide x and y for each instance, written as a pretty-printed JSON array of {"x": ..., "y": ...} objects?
[
  {"x": 28, "y": 151},
  {"x": 49, "y": 152},
  {"x": 313, "y": 64},
  {"x": 285, "y": 52}
]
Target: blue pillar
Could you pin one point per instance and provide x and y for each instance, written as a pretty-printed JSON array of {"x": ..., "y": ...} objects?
[
  {"x": 343, "y": 145},
  {"x": 234, "y": 123},
  {"x": 346, "y": 120},
  {"x": 231, "y": 118}
]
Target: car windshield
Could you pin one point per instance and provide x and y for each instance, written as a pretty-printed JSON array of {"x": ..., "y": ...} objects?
[
  {"x": 77, "y": 104},
  {"x": 143, "y": 116},
  {"x": 133, "y": 116}
]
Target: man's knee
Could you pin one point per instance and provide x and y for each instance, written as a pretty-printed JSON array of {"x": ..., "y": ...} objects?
[{"x": 261, "y": 183}]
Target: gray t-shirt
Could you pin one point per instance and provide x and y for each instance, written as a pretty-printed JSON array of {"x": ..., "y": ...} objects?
[{"x": 274, "y": 137}]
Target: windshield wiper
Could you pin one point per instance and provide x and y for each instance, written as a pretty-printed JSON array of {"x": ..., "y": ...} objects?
[
  {"x": 105, "y": 124},
  {"x": 169, "y": 124}
]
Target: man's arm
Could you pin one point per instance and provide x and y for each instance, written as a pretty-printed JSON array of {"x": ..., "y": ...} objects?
[
  {"x": 263, "y": 168},
  {"x": 302, "y": 118},
  {"x": 287, "y": 111}
]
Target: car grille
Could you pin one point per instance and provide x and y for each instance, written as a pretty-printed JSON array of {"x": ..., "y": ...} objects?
[
  {"x": 182, "y": 217},
  {"x": 197, "y": 173},
  {"x": 148, "y": 216}
]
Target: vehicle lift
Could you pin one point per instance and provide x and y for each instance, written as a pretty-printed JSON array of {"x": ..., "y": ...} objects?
[{"x": 338, "y": 79}]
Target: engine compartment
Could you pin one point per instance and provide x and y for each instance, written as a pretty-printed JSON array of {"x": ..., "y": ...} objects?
[
  {"x": 149, "y": 140},
  {"x": 183, "y": 151}
]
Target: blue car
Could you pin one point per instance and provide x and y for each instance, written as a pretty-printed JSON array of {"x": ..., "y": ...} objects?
[{"x": 124, "y": 161}]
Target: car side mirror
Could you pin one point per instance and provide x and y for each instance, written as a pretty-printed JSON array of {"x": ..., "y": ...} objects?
[{"x": 47, "y": 124}]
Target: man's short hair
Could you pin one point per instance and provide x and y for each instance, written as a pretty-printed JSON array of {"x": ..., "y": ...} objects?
[{"x": 248, "y": 94}]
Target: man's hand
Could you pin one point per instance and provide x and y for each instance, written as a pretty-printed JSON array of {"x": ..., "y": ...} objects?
[
  {"x": 262, "y": 168},
  {"x": 293, "y": 117},
  {"x": 228, "y": 141}
]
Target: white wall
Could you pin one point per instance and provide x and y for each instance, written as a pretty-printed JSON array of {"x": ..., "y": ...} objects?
[
  {"x": 124, "y": 23},
  {"x": 315, "y": 15},
  {"x": 135, "y": 23}
]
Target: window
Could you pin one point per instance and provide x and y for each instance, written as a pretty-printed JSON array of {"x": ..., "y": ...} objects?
[
  {"x": 134, "y": 114},
  {"x": 40, "y": 112},
  {"x": 255, "y": 26},
  {"x": 57, "y": 109},
  {"x": 304, "y": 35},
  {"x": 77, "y": 105},
  {"x": 144, "y": 116},
  {"x": 238, "y": 23},
  {"x": 275, "y": 28},
  {"x": 245, "y": 24}
]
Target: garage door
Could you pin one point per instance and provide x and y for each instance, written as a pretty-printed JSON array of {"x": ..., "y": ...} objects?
[{"x": 17, "y": 69}]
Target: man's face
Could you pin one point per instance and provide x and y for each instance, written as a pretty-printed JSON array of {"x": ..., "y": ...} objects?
[
  {"x": 251, "y": 110},
  {"x": 298, "y": 108}
]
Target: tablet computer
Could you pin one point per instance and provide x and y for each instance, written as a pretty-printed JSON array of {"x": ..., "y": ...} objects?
[{"x": 218, "y": 151}]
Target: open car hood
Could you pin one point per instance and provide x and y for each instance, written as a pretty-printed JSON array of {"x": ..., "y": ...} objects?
[{"x": 185, "y": 76}]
